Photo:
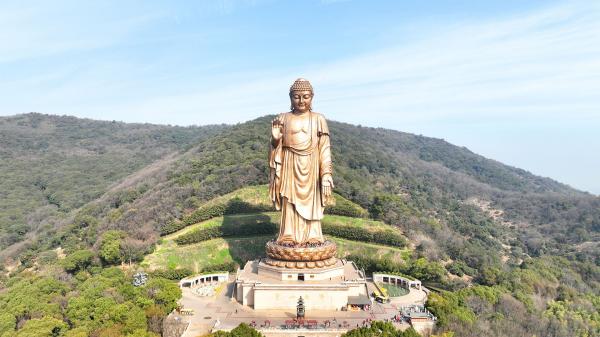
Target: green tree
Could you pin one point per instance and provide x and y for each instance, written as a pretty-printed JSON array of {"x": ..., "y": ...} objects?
[
  {"x": 444, "y": 334},
  {"x": 377, "y": 329},
  {"x": 410, "y": 332},
  {"x": 44, "y": 327},
  {"x": 78, "y": 260},
  {"x": 77, "y": 332},
  {"x": 243, "y": 330},
  {"x": 110, "y": 246},
  {"x": 163, "y": 292},
  {"x": 426, "y": 271},
  {"x": 490, "y": 276},
  {"x": 7, "y": 322},
  {"x": 142, "y": 333},
  {"x": 31, "y": 297}
]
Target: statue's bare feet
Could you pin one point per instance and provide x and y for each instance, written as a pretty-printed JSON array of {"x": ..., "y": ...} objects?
[
  {"x": 314, "y": 242},
  {"x": 286, "y": 242}
]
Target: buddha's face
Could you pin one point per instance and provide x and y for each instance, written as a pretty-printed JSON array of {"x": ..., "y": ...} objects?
[{"x": 301, "y": 100}]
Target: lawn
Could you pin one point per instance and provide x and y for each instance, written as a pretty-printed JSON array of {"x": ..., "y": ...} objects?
[
  {"x": 348, "y": 247},
  {"x": 168, "y": 255},
  {"x": 240, "y": 219},
  {"x": 356, "y": 222},
  {"x": 235, "y": 219},
  {"x": 393, "y": 290},
  {"x": 255, "y": 195}
]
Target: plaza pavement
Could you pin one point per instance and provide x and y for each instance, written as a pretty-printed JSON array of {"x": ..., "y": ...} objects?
[{"x": 229, "y": 313}]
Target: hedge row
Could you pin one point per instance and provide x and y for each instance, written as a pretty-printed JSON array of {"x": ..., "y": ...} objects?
[
  {"x": 172, "y": 274},
  {"x": 258, "y": 225},
  {"x": 227, "y": 229},
  {"x": 345, "y": 207},
  {"x": 384, "y": 237},
  {"x": 236, "y": 205},
  {"x": 171, "y": 227},
  {"x": 181, "y": 273},
  {"x": 230, "y": 266},
  {"x": 233, "y": 206},
  {"x": 199, "y": 235}
]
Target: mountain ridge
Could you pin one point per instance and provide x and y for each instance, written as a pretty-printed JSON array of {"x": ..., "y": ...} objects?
[
  {"x": 196, "y": 126},
  {"x": 420, "y": 172},
  {"x": 489, "y": 237}
]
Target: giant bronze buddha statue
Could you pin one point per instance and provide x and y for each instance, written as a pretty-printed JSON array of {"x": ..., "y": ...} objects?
[{"x": 300, "y": 182}]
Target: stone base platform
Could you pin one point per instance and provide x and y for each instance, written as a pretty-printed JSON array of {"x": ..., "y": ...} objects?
[
  {"x": 266, "y": 287},
  {"x": 334, "y": 271}
]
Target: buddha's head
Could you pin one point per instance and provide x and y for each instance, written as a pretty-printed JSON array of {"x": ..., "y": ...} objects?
[{"x": 301, "y": 95}]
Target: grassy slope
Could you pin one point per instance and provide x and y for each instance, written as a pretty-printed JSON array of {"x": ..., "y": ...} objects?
[
  {"x": 275, "y": 218},
  {"x": 258, "y": 195},
  {"x": 255, "y": 195},
  {"x": 169, "y": 255}
]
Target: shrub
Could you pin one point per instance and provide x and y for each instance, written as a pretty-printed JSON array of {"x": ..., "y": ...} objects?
[
  {"x": 385, "y": 237},
  {"x": 460, "y": 268},
  {"x": 225, "y": 266},
  {"x": 199, "y": 235},
  {"x": 110, "y": 246},
  {"x": 346, "y": 207},
  {"x": 239, "y": 206},
  {"x": 171, "y": 227},
  {"x": 77, "y": 260},
  {"x": 172, "y": 274},
  {"x": 261, "y": 224},
  {"x": 419, "y": 268}
]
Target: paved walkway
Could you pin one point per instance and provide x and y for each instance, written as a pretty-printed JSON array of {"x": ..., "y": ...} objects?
[
  {"x": 413, "y": 297},
  {"x": 207, "y": 310}
]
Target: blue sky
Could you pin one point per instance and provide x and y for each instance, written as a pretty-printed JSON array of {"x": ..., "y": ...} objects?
[{"x": 516, "y": 81}]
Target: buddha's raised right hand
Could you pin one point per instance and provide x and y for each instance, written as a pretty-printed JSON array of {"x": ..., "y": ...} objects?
[{"x": 276, "y": 126}]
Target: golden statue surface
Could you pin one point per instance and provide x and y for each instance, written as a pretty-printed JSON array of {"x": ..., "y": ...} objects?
[{"x": 300, "y": 182}]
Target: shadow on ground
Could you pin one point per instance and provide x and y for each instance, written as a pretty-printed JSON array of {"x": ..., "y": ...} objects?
[{"x": 249, "y": 245}]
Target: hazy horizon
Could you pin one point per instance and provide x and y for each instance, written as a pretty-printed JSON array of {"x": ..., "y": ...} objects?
[{"x": 333, "y": 136}]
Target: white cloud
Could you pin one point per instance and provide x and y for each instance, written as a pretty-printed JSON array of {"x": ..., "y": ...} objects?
[
  {"x": 542, "y": 64},
  {"x": 36, "y": 30}
]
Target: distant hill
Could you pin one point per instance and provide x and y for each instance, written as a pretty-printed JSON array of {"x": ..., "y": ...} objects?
[{"x": 52, "y": 165}]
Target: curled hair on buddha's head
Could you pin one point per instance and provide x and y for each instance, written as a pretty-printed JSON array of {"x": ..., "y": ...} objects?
[{"x": 301, "y": 84}]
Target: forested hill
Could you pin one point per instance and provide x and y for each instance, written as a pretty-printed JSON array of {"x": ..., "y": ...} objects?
[
  {"x": 519, "y": 253},
  {"x": 56, "y": 165},
  {"x": 51, "y": 165},
  {"x": 397, "y": 144},
  {"x": 57, "y": 168}
]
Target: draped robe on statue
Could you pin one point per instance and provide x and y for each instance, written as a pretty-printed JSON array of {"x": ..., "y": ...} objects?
[{"x": 296, "y": 168}]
